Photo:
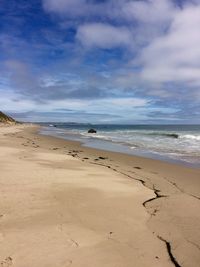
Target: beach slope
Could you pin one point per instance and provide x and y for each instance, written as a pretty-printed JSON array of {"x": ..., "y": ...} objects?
[{"x": 62, "y": 206}]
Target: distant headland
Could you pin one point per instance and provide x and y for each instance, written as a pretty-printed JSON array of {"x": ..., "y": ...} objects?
[{"x": 5, "y": 119}]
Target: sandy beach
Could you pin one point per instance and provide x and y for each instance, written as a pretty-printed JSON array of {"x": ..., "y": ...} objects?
[{"x": 63, "y": 205}]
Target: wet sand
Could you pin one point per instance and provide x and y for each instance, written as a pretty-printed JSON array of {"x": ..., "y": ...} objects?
[{"x": 62, "y": 205}]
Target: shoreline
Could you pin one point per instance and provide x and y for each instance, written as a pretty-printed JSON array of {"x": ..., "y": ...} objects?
[
  {"x": 111, "y": 146},
  {"x": 171, "y": 189}
]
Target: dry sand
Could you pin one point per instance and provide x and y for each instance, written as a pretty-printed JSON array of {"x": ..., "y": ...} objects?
[{"x": 63, "y": 205}]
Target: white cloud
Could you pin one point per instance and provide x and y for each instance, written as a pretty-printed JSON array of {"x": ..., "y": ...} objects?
[
  {"x": 147, "y": 11},
  {"x": 103, "y": 35},
  {"x": 144, "y": 19},
  {"x": 63, "y": 6},
  {"x": 12, "y": 101},
  {"x": 76, "y": 8},
  {"x": 175, "y": 56},
  {"x": 152, "y": 11},
  {"x": 121, "y": 103},
  {"x": 161, "y": 39}
]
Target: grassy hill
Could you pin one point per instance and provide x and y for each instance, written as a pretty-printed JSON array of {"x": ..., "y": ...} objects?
[{"x": 6, "y": 119}]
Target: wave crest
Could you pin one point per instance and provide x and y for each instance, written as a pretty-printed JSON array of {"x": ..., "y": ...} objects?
[{"x": 191, "y": 137}]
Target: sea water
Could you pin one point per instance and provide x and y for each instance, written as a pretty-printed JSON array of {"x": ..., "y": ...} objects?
[{"x": 175, "y": 143}]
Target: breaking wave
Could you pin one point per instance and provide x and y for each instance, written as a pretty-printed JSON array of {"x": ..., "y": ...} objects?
[{"x": 191, "y": 137}]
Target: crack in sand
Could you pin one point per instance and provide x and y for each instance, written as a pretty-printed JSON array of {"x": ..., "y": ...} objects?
[
  {"x": 169, "y": 250},
  {"x": 158, "y": 195},
  {"x": 194, "y": 244},
  {"x": 156, "y": 191},
  {"x": 180, "y": 189},
  {"x": 193, "y": 196}
]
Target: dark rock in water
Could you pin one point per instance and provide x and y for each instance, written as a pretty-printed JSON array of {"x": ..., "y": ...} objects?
[{"x": 92, "y": 131}]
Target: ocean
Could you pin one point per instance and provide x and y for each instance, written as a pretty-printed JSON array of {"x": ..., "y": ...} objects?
[{"x": 172, "y": 143}]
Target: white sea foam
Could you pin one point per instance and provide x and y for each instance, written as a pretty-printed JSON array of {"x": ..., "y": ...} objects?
[
  {"x": 177, "y": 144},
  {"x": 190, "y": 136}
]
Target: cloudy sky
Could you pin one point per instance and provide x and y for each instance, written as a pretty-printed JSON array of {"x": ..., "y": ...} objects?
[{"x": 103, "y": 61}]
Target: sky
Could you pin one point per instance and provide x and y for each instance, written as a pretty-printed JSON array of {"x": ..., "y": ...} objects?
[{"x": 101, "y": 61}]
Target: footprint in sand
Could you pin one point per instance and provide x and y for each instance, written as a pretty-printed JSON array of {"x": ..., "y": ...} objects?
[
  {"x": 73, "y": 243},
  {"x": 7, "y": 262},
  {"x": 103, "y": 158},
  {"x": 139, "y": 168}
]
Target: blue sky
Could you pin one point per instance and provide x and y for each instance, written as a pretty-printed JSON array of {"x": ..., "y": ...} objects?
[{"x": 114, "y": 61}]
